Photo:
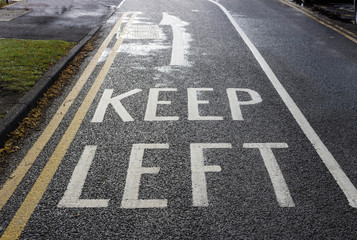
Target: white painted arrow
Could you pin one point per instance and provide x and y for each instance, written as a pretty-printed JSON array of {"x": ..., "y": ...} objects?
[{"x": 178, "y": 42}]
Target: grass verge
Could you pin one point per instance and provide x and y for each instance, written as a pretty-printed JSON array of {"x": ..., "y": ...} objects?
[
  {"x": 3, "y": 3},
  {"x": 23, "y": 62},
  {"x": 35, "y": 116}
]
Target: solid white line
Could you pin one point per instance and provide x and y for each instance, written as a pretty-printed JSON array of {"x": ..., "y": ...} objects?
[{"x": 332, "y": 165}]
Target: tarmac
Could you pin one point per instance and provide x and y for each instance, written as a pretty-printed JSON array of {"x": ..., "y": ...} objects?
[
  {"x": 78, "y": 22},
  {"x": 48, "y": 20}
]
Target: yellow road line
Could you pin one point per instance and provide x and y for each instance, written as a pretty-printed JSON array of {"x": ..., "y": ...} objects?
[
  {"x": 16, "y": 177},
  {"x": 322, "y": 19},
  {"x": 344, "y": 32},
  {"x": 19, "y": 221}
]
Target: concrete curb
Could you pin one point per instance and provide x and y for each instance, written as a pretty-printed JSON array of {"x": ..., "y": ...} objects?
[{"x": 18, "y": 112}]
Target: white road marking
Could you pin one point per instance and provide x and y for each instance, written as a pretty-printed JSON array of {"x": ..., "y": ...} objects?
[
  {"x": 144, "y": 32},
  {"x": 198, "y": 168},
  {"x": 153, "y": 101},
  {"x": 75, "y": 186},
  {"x": 235, "y": 103},
  {"x": 107, "y": 99},
  {"x": 120, "y": 4},
  {"x": 26, "y": 163},
  {"x": 332, "y": 165},
  {"x": 193, "y": 102},
  {"x": 280, "y": 187},
  {"x": 178, "y": 42},
  {"x": 132, "y": 183},
  {"x": 105, "y": 55}
]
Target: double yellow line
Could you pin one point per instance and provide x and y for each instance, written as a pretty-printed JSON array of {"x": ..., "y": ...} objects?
[
  {"x": 23, "y": 214},
  {"x": 348, "y": 34}
]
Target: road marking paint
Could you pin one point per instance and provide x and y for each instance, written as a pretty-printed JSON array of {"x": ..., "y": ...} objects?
[
  {"x": 281, "y": 189},
  {"x": 107, "y": 100},
  {"x": 193, "y": 102},
  {"x": 344, "y": 32},
  {"x": 132, "y": 182},
  {"x": 199, "y": 169},
  {"x": 153, "y": 101},
  {"x": 16, "y": 177},
  {"x": 235, "y": 103},
  {"x": 120, "y": 4},
  {"x": 144, "y": 32},
  {"x": 332, "y": 165},
  {"x": 71, "y": 197},
  {"x": 19, "y": 221},
  {"x": 178, "y": 42}
]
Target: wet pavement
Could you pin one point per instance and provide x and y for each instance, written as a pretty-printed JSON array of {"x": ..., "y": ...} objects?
[
  {"x": 66, "y": 20},
  {"x": 195, "y": 120}
]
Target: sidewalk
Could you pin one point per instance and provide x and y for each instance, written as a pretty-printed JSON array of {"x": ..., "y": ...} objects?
[
  {"x": 65, "y": 20},
  {"x": 51, "y": 19}
]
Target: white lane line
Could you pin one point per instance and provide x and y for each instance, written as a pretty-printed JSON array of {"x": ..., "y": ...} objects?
[{"x": 332, "y": 165}]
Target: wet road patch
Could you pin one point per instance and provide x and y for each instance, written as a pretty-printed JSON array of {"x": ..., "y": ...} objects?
[{"x": 7, "y": 14}]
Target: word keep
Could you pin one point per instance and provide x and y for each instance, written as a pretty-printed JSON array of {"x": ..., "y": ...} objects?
[{"x": 193, "y": 104}]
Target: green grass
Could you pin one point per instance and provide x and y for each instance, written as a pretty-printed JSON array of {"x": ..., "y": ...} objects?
[
  {"x": 23, "y": 62},
  {"x": 2, "y": 3}
]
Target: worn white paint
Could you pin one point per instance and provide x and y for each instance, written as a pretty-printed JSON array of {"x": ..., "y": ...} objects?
[
  {"x": 132, "y": 184},
  {"x": 193, "y": 103},
  {"x": 104, "y": 55},
  {"x": 144, "y": 32},
  {"x": 281, "y": 189},
  {"x": 74, "y": 189},
  {"x": 328, "y": 159},
  {"x": 153, "y": 101},
  {"x": 178, "y": 42},
  {"x": 137, "y": 49},
  {"x": 235, "y": 103},
  {"x": 143, "y": 20},
  {"x": 107, "y": 99},
  {"x": 199, "y": 169}
]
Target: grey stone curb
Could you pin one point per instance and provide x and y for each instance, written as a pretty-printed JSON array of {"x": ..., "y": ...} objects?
[{"x": 18, "y": 112}]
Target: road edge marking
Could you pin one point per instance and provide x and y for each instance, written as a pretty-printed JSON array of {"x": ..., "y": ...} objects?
[
  {"x": 23, "y": 167},
  {"x": 344, "y": 32},
  {"x": 330, "y": 162},
  {"x": 23, "y": 214}
]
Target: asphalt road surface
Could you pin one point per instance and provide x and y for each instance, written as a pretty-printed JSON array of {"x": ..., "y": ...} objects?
[
  {"x": 197, "y": 120},
  {"x": 66, "y": 20}
]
